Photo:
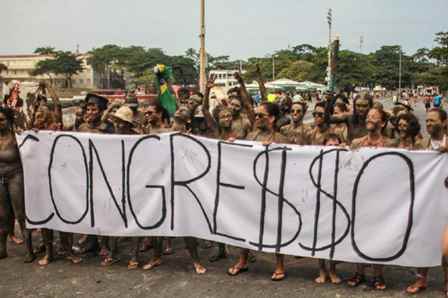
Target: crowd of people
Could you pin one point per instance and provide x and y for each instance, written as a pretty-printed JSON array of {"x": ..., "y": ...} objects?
[{"x": 337, "y": 120}]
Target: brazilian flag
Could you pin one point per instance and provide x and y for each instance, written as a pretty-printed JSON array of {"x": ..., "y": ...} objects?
[{"x": 167, "y": 100}]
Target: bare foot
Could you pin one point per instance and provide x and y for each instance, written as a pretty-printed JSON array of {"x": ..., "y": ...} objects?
[
  {"x": 44, "y": 261},
  {"x": 199, "y": 268},
  {"x": 334, "y": 278},
  {"x": 322, "y": 278}
]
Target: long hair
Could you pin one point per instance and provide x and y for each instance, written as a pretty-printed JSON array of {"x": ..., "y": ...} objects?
[
  {"x": 413, "y": 124},
  {"x": 356, "y": 120}
]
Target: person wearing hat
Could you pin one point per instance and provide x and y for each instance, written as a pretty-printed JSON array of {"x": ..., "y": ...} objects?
[
  {"x": 95, "y": 106},
  {"x": 123, "y": 120},
  {"x": 182, "y": 123},
  {"x": 123, "y": 124}
]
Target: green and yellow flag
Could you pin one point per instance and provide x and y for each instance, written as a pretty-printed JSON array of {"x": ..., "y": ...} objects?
[{"x": 163, "y": 75}]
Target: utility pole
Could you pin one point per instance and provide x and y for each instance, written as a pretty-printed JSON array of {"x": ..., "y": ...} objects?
[
  {"x": 400, "y": 69},
  {"x": 202, "y": 53},
  {"x": 329, "y": 72}
]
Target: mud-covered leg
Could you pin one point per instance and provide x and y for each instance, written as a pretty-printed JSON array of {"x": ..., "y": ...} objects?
[
  {"x": 192, "y": 247},
  {"x": 133, "y": 262},
  {"x": 67, "y": 247},
  {"x": 15, "y": 187},
  {"x": 5, "y": 218},
  {"x": 47, "y": 235}
]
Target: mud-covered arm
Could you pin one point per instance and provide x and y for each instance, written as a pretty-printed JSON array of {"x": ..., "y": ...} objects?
[
  {"x": 246, "y": 99},
  {"x": 260, "y": 81}
]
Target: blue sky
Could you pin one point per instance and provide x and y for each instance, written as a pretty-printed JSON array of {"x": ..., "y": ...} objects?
[{"x": 239, "y": 28}]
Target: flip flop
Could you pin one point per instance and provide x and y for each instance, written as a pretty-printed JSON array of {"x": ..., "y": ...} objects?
[
  {"x": 196, "y": 269},
  {"x": 278, "y": 276},
  {"x": 132, "y": 265},
  {"x": 151, "y": 265},
  {"x": 108, "y": 261},
  {"x": 235, "y": 270},
  {"x": 356, "y": 280}
]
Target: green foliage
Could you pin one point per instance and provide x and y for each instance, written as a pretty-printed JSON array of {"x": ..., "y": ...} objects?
[
  {"x": 63, "y": 63},
  {"x": 300, "y": 63},
  {"x": 45, "y": 51}
]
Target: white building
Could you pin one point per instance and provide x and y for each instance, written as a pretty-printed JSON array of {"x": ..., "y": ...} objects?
[
  {"x": 225, "y": 78},
  {"x": 21, "y": 66}
]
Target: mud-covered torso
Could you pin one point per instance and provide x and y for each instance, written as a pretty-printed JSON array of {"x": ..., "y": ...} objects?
[{"x": 10, "y": 162}]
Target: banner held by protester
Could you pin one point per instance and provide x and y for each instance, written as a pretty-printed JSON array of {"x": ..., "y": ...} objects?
[{"x": 368, "y": 206}]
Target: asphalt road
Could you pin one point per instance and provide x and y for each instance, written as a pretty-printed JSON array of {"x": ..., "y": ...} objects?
[{"x": 175, "y": 278}]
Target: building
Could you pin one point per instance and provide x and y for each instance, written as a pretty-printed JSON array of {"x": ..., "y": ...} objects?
[
  {"x": 20, "y": 67},
  {"x": 225, "y": 78}
]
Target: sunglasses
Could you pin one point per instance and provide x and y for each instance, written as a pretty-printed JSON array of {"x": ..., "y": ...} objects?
[
  {"x": 318, "y": 114},
  {"x": 297, "y": 111}
]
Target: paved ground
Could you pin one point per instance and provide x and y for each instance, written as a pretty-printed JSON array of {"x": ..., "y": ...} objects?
[{"x": 176, "y": 278}]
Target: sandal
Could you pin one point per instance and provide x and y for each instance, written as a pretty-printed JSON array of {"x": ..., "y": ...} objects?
[
  {"x": 378, "y": 283},
  {"x": 108, "y": 261},
  {"x": 199, "y": 269},
  {"x": 152, "y": 264},
  {"x": 237, "y": 269},
  {"x": 74, "y": 259},
  {"x": 132, "y": 265},
  {"x": 103, "y": 252},
  {"x": 278, "y": 276},
  {"x": 356, "y": 280},
  {"x": 15, "y": 240},
  {"x": 417, "y": 287}
]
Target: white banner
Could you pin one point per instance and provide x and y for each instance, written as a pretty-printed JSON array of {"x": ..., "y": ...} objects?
[{"x": 368, "y": 206}]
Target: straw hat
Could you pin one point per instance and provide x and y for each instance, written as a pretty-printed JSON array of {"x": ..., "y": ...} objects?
[{"x": 125, "y": 114}]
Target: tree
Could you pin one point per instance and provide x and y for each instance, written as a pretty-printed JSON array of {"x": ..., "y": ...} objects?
[
  {"x": 298, "y": 71},
  {"x": 45, "y": 51},
  {"x": 67, "y": 64},
  {"x": 64, "y": 63},
  {"x": 45, "y": 67},
  {"x": 440, "y": 53}
]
